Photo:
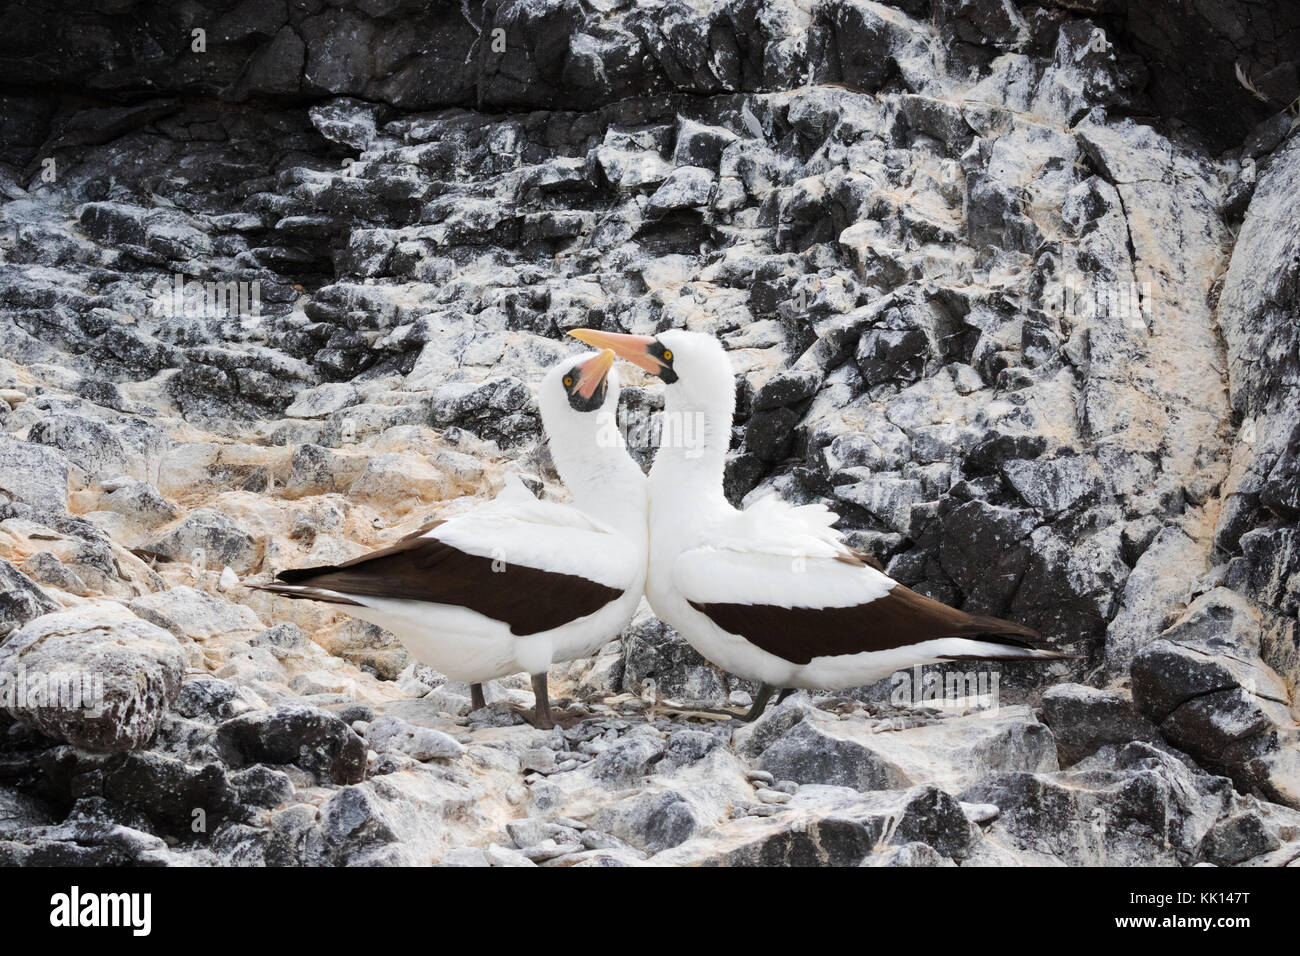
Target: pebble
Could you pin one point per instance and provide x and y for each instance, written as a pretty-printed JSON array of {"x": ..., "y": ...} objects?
[
  {"x": 539, "y": 759},
  {"x": 549, "y": 850},
  {"x": 505, "y": 856},
  {"x": 516, "y": 794},
  {"x": 981, "y": 813},
  {"x": 465, "y": 856}
]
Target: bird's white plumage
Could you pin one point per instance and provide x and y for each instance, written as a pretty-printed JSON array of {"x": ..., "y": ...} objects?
[
  {"x": 468, "y": 646},
  {"x": 772, "y": 554},
  {"x": 771, "y": 524},
  {"x": 712, "y": 576},
  {"x": 549, "y": 535},
  {"x": 601, "y": 536}
]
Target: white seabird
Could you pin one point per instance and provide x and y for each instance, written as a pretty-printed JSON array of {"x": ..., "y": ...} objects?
[
  {"x": 772, "y": 593},
  {"x": 516, "y": 584}
]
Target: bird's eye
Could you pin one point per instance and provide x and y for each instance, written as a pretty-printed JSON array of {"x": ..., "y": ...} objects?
[
  {"x": 568, "y": 381},
  {"x": 668, "y": 355}
]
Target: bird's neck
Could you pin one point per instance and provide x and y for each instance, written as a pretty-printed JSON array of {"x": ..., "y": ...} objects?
[
  {"x": 605, "y": 483},
  {"x": 693, "y": 445}
]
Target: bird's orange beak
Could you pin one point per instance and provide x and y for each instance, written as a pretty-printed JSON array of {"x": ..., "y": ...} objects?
[
  {"x": 593, "y": 371},
  {"x": 634, "y": 348}
]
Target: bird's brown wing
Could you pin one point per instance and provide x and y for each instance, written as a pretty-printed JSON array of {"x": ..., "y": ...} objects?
[
  {"x": 899, "y": 618},
  {"x": 419, "y": 568}
]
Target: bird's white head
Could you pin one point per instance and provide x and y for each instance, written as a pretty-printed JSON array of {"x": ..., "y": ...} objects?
[
  {"x": 694, "y": 367},
  {"x": 578, "y": 400},
  {"x": 578, "y": 385}
]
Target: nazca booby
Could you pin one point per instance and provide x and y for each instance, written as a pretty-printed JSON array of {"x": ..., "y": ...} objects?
[
  {"x": 773, "y": 593},
  {"x": 515, "y": 584}
]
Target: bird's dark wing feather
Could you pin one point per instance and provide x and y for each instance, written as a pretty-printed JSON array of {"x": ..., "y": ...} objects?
[
  {"x": 418, "y": 568},
  {"x": 899, "y": 618}
]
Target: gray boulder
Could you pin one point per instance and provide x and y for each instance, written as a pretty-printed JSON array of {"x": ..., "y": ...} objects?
[
  {"x": 1222, "y": 705},
  {"x": 89, "y": 443},
  {"x": 303, "y": 736},
  {"x": 654, "y": 652},
  {"x": 1084, "y": 719},
  {"x": 196, "y": 615},
  {"x": 820, "y": 749},
  {"x": 652, "y": 820},
  {"x": 1238, "y": 838},
  {"x": 1139, "y": 806},
  {"x": 831, "y": 826},
  {"x": 97, "y": 677},
  {"x": 419, "y": 743},
  {"x": 33, "y": 474},
  {"x": 213, "y": 539}
]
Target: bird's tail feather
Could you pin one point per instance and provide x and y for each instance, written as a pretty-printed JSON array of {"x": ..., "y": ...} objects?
[
  {"x": 1012, "y": 652},
  {"x": 303, "y": 591},
  {"x": 1007, "y": 640}
]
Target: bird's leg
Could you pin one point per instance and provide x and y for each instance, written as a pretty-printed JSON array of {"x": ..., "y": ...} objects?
[
  {"x": 477, "y": 702},
  {"x": 542, "y": 708},
  {"x": 785, "y": 692},
  {"x": 764, "y": 694}
]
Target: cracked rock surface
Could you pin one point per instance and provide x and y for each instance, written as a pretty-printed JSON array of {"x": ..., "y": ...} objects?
[{"x": 1011, "y": 287}]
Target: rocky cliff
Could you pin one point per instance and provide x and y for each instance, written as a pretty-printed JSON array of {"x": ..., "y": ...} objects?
[{"x": 1012, "y": 286}]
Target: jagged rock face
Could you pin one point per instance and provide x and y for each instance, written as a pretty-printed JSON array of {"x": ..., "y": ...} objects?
[
  {"x": 524, "y": 54},
  {"x": 281, "y": 299}
]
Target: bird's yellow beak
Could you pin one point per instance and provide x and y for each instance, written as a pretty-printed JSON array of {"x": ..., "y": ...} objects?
[
  {"x": 593, "y": 371},
  {"x": 634, "y": 348}
]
